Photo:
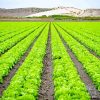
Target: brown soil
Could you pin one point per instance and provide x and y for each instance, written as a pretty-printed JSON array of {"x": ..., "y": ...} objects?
[
  {"x": 47, "y": 89},
  {"x": 13, "y": 71},
  {"x": 92, "y": 52},
  {"x": 95, "y": 94}
]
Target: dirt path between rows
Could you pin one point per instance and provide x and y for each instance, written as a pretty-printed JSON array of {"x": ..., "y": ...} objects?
[
  {"x": 13, "y": 71},
  {"x": 46, "y": 91},
  {"x": 94, "y": 93},
  {"x": 92, "y": 52}
]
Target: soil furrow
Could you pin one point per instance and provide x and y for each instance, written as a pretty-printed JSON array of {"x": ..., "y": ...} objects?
[
  {"x": 94, "y": 93},
  {"x": 46, "y": 90},
  {"x": 92, "y": 52},
  {"x": 13, "y": 71}
]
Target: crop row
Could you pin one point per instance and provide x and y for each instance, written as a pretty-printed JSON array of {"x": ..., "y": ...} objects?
[
  {"x": 26, "y": 82},
  {"x": 10, "y": 58},
  {"x": 93, "y": 46},
  {"x": 14, "y": 33},
  {"x": 9, "y": 27},
  {"x": 89, "y": 28},
  {"x": 13, "y": 41},
  {"x": 95, "y": 33},
  {"x": 84, "y": 34},
  {"x": 67, "y": 82},
  {"x": 90, "y": 63}
]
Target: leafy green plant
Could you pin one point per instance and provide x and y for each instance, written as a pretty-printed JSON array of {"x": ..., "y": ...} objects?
[
  {"x": 9, "y": 59},
  {"x": 26, "y": 82},
  {"x": 67, "y": 82},
  {"x": 13, "y": 41},
  {"x": 90, "y": 63}
]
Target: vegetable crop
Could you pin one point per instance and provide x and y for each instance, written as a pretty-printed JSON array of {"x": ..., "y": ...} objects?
[{"x": 25, "y": 67}]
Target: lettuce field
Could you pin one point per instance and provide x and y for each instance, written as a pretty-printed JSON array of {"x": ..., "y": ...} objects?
[{"x": 49, "y": 60}]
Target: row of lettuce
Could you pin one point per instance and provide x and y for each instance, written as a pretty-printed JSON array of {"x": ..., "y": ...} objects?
[
  {"x": 9, "y": 27},
  {"x": 11, "y": 34},
  {"x": 90, "y": 63},
  {"x": 26, "y": 82},
  {"x": 12, "y": 56},
  {"x": 90, "y": 41},
  {"x": 67, "y": 82},
  {"x": 12, "y": 41},
  {"x": 88, "y": 27}
]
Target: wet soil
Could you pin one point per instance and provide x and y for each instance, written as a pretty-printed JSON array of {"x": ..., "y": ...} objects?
[{"x": 47, "y": 89}]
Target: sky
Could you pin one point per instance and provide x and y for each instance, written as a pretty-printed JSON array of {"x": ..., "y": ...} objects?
[{"x": 82, "y": 4}]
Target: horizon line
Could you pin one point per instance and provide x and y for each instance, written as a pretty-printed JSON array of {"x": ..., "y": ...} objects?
[{"x": 51, "y": 7}]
